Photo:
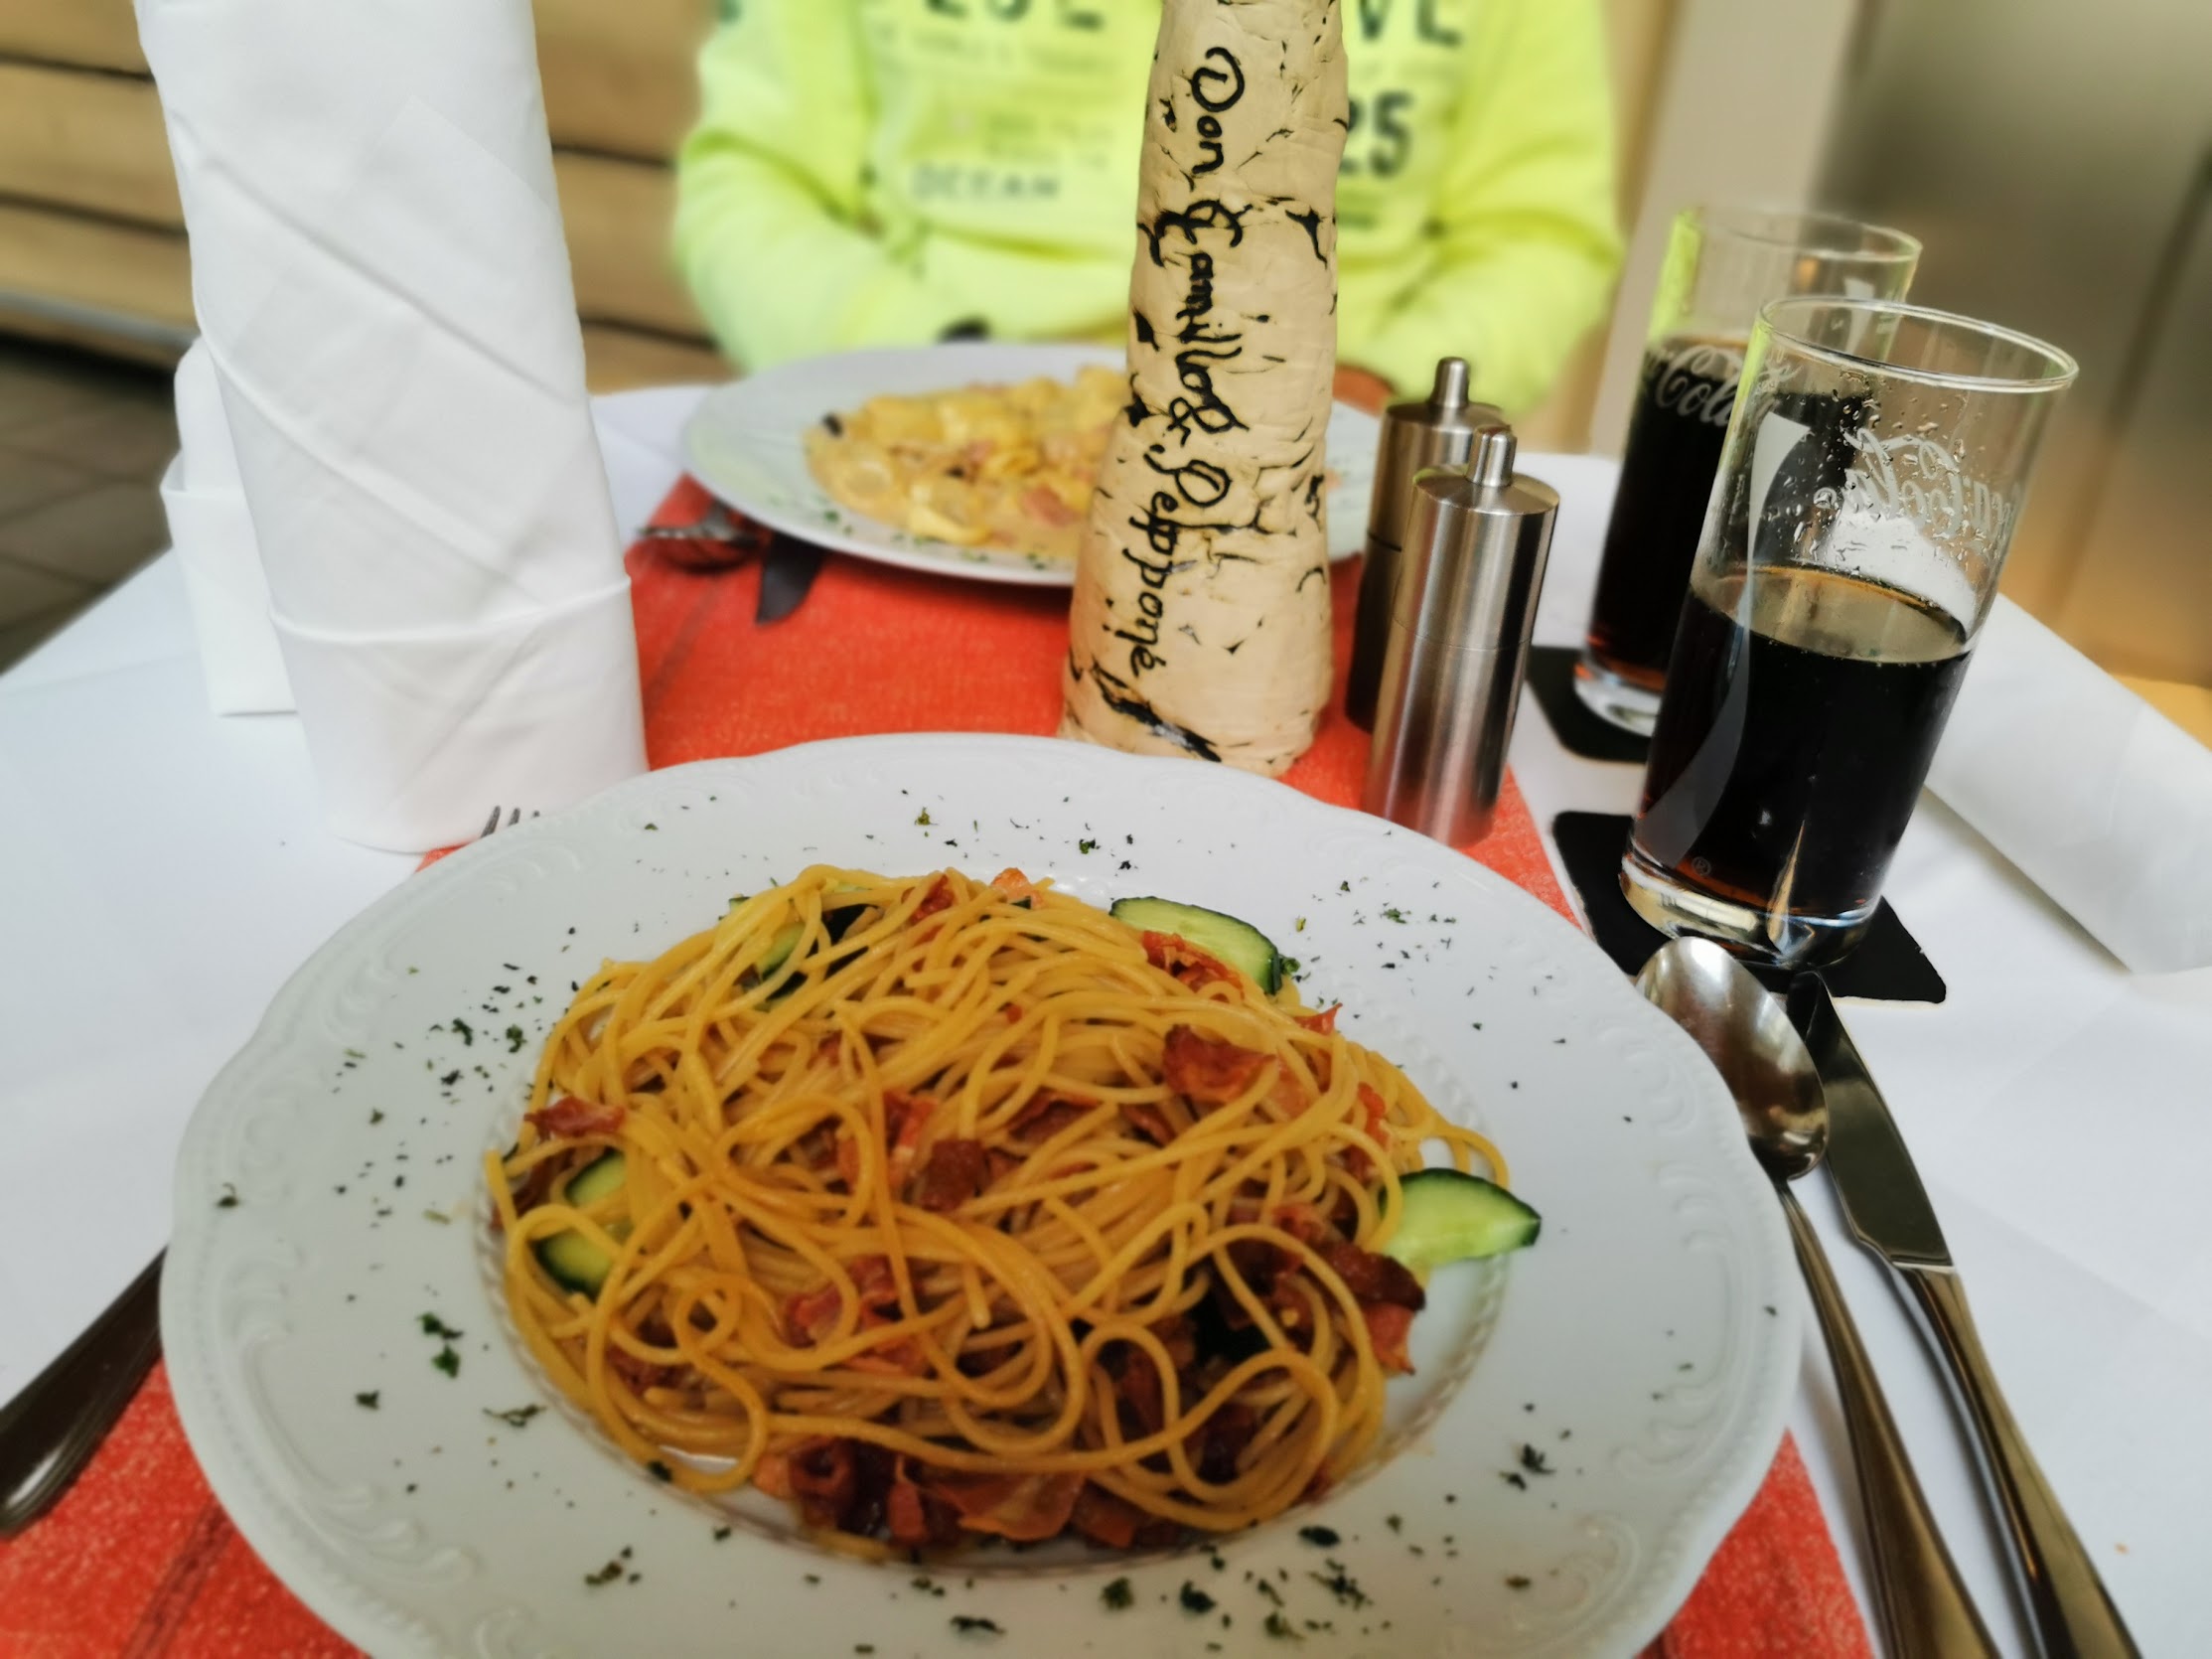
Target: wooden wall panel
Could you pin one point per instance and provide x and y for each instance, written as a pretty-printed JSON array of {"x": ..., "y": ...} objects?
[
  {"x": 618, "y": 216},
  {"x": 620, "y": 75},
  {"x": 617, "y": 359},
  {"x": 78, "y": 138},
  {"x": 94, "y": 265},
  {"x": 99, "y": 33}
]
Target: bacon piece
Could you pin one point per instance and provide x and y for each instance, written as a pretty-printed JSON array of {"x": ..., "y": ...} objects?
[
  {"x": 811, "y": 1315},
  {"x": 839, "y": 1483},
  {"x": 1289, "y": 1094},
  {"x": 905, "y": 1119},
  {"x": 1041, "y": 504},
  {"x": 1260, "y": 1263},
  {"x": 1027, "y": 1508},
  {"x": 536, "y": 1187},
  {"x": 1136, "y": 1385},
  {"x": 905, "y": 1514},
  {"x": 640, "y": 1374},
  {"x": 939, "y": 898},
  {"x": 1180, "y": 1338},
  {"x": 1374, "y": 1279},
  {"x": 1210, "y": 1071},
  {"x": 1305, "y": 1224},
  {"x": 1293, "y": 1311},
  {"x": 848, "y": 1160},
  {"x": 1185, "y": 961},
  {"x": 1216, "y": 1443},
  {"x": 1148, "y": 1120},
  {"x": 772, "y": 1474},
  {"x": 818, "y": 1147},
  {"x": 873, "y": 1279},
  {"x": 916, "y": 1517},
  {"x": 873, "y": 1469},
  {"x": 1047, "y": 1114},
  {"x": 1106, "y": 1519},
  {"x": 569, "y": 1117},
  {"x": 903, "y": 1358},
  {"x": 1378, "y": 1110},
  {"x": 822, "y": 1480},
  {"x": 955, "y": 1173},
  {"x": 1323, "y": 1022},
  {"x": 1387, "y": 1325},
  {"x": 1375, "y": 1116}
]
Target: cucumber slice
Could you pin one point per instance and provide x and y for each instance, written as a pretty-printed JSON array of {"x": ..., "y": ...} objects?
[
  {"x": 574, "y": 1261},
  {"x": 1239, "y": 944},
  {"x": 1451, "y": 1217},
  {"x": 779, "y": 949},
  {"x": 836, "y": 920}
]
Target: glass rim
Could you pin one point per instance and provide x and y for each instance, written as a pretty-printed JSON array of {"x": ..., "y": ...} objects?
[
  {"x": 1749, "y": 222},
  {"x": 2061, "y": 364}
]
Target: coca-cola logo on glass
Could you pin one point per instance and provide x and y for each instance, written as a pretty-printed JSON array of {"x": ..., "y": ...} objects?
[
  {"x": 1921, "y": 479},
  {"x": 1696, "y": 380}
]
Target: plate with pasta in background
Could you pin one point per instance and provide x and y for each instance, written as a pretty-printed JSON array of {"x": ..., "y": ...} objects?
[
  {"x": 972, "y": 459},
  {"x": 921, "y": 1195}
]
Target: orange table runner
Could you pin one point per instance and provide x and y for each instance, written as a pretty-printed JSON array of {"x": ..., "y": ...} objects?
[{"x": 139, "y": 1559}]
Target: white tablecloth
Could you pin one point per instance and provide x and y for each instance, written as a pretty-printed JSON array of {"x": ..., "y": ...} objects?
[{"x": 162, "y": 872}]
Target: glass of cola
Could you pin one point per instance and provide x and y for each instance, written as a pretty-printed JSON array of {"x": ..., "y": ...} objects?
[
  {"x": 1722, "y": 264},
  {"x": 1872, "y": 475}
]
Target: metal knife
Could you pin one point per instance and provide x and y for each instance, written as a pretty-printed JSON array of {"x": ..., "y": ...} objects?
[
  {"x": 787, "y": 572},
  {"x": 1888, "y": 1212},
  {"x": 50, "y": 1430}
]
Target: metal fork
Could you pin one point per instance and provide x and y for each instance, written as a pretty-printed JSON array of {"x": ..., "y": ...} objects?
[
  {"x": 716, "y": 523},
  {"x": 493, "y": 825}
]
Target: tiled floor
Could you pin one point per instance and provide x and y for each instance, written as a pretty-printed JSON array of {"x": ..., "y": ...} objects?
[{"x": 82, "y": 445}]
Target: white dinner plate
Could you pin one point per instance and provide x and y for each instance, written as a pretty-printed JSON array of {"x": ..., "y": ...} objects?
[
  {"x": 745, "y": 443},
  {"x": 1586, "y": 1420}
]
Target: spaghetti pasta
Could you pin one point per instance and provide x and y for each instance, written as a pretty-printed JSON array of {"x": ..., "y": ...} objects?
[{"x": 950, "y": 1208}]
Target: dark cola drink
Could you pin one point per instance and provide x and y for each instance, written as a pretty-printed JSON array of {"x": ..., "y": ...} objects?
[
  {"x": 1675, "y": 434},
  {"x": 1795, "y": 733}
]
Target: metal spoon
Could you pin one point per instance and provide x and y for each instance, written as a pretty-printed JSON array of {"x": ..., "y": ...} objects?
[{"x": 1747, "y": 1035}]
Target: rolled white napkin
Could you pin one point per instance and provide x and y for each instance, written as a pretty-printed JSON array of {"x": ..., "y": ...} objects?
[
  {"x": 2101, "y": 801},
  {"x": 382, "y": 284},
  {"x": 212, "y": 535}
]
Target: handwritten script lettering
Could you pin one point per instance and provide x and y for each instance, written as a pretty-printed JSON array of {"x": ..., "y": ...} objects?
[{"x": 1203, "y": 341}]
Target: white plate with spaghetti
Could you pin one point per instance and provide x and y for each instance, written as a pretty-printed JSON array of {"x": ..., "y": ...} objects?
[
  {"x": 1583, "y": 1421},
  {"x": 747, "y": 442}
]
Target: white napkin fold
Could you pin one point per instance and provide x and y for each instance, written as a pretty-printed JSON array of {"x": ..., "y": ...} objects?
[
  {"x": 212, "y": 535},
  {"x": 2101, "y": 801},
  {"x": 382, "y": 284}
]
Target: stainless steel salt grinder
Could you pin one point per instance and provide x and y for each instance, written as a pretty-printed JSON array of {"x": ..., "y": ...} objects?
[
  {"x": 1472, "y": 567},
  {"x": 1437, "y": 433}
]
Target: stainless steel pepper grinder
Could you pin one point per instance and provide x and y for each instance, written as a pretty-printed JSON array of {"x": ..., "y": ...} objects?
[
  {"x": 1437, "y": 433},
  {"x": 1466, "y": 600}
]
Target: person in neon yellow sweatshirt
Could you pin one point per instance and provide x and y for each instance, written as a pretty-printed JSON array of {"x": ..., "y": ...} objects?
[{"x": 888, "y": 172}]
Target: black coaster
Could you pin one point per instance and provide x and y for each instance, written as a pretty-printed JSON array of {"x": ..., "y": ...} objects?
[
  {"x": 1887, "y": 967},
  {"x": 1552, "y": 679}
]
